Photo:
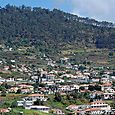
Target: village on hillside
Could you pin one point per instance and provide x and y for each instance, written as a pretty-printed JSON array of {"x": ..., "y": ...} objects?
[
  {"x": 61, "y": 88},
  {"x": 57, "y": 57}
]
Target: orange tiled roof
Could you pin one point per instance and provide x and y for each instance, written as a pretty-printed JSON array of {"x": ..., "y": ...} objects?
[
  {"x": 92, "y": 109},
  {"x": 107, "y": 84},
  {"x": 3, "y": 110},
  {"x": 100, "y": 101},
  {"x": 98, "y": 92},
  {"x": 35, "y": 95}
]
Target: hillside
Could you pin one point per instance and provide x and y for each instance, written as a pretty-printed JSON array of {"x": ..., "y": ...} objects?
[{"x": 52, "y": 31}]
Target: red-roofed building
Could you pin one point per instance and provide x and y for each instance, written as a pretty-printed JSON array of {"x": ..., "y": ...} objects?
[
  {"x": 4, "y": 110},
  {"x": 100, "y": 105},
  {"x": 106, "y": 86},
  {"x": 34, "y": 97}
]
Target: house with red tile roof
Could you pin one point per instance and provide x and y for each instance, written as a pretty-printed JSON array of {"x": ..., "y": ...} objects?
[
  {"x": 2, "y": 110},
  {"x": 34, "y": 97}
]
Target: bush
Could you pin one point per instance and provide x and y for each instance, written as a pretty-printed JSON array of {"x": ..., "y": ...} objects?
[
  {"x": 58, "y": 97},
  {"x": 14, "y": 104}
]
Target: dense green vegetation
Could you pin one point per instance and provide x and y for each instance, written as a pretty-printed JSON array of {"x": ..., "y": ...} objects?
[{"x": 50, "y": 31}]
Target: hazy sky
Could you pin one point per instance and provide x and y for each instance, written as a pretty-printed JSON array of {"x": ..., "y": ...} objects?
[{"x": 98, "y": 9}]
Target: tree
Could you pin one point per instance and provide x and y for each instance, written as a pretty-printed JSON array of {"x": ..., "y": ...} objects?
[
  {"x": 82, "y": 88},
  {"x": 91, "y": 88},
  {"x": 110, "y": 54},
  {"x": 68, "y": 97},
  {"x": 86, "y": 95},
  {"x": 14, "y": 104},
  {"x": 2, "y": 88},
  {"x": 38, "y": 102},
  {"x": 52, "y": 29},
  {"x": 3, "y": 93},
  {"x": 96, "y": 87},
  {"x": 58, "y": 97},
  {"x": 18, "y": 91},
  {"x": 81, "y": 68}
]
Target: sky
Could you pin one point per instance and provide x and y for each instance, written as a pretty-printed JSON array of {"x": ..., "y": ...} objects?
[{"x": 102, "y": 10}]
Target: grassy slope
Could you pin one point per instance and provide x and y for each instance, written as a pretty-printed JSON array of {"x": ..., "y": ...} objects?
[
  {"x": 30, "y": 112},
  {"x": 9, "y": 98},
  {"x": 97, "y": 57}
]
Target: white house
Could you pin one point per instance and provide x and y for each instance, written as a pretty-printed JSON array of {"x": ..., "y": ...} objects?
[
  {"x": 34, "y": 97},
  {"x": 100, "y": 105},
  {"x": 80, "y": 78},
  {"x": 24, "y": 103},
  {"x": 2, "y": 79},
  {"x": 105, "y": 86},
  {"x": 58, "y": 112},
  {"x": 10, "y": 80},
  {"x": 93, "y": 111},
  {"x": 40, "y": 108},
  {"x": 109, "y": 95}
]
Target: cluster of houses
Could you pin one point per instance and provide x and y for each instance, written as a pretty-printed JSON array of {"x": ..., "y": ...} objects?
[
  {"x": 98, "y": 107},
  {"x": 40, "y": 83}
]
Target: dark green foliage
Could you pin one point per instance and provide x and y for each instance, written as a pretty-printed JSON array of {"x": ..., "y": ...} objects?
[
  {"x": 2, "y": 88},
  {"x": 96, "y": 87},
  {"x": 38, "y": 102},
  {"x": 58, "y": 97},
  {"x": 78, "y": 95},
  {"x": 51, "y": 30},
  {"x": 98, "y": 97},
  {"x": 110, "y": 54},
  {"x": 113, "y": 74},
  {"x": 113, "y": 83},
  {"x": 3, "y": 93},
  {"x": 82, "y": 88},
  {"x": 5, "y": 85},
  {"x": 14, "y": 104},
  {"x": 18, "y": 91},
  {"x": 81, "y": 68},
  {"x": 41, "y": 85}
]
